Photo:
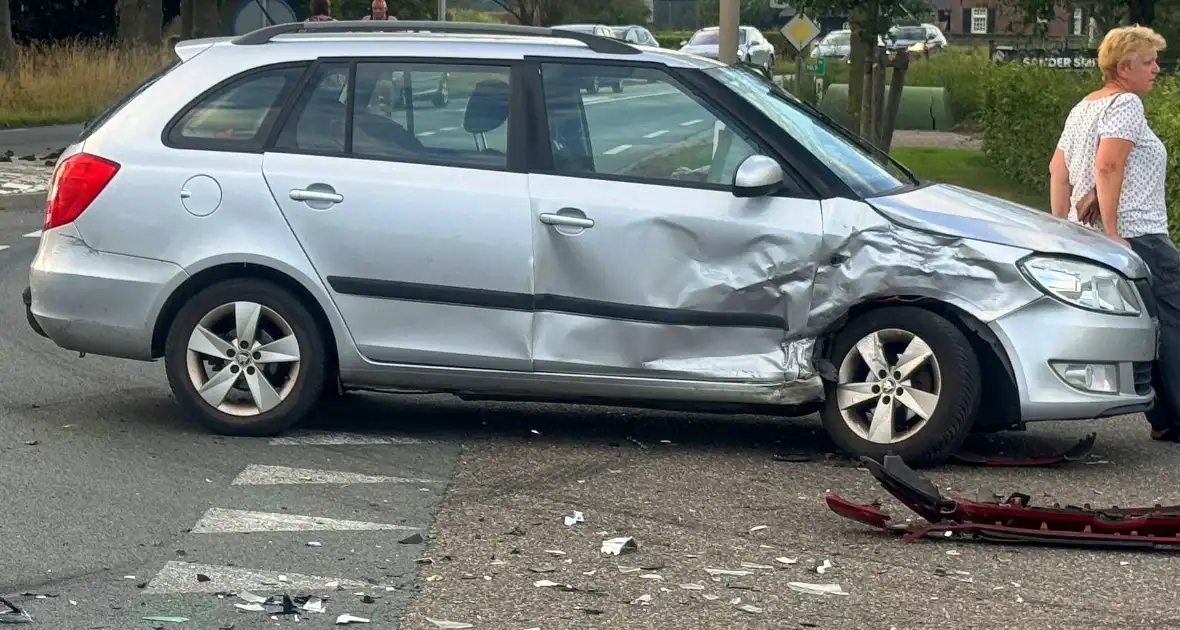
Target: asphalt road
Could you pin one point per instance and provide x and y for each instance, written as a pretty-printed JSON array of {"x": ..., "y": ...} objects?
[{"x": 109, "y": 494}]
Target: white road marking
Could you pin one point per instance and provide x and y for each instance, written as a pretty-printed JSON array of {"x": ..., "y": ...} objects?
[
  {"x": 181, "y": 577},
  {"x": 36, "y": 234},
  {"x": 259, "y": 475},
  {"x": 690, "y": 122},
  {"x": 615, "y": 99},
  {"x": 655, "y": 134},
  {"x": 3, "y": 247},
  {"x": 617, "y": 150},
  {"x": 223, "y": 521},
  {"x": 22, "y": 179},
  {"x": 331, "y": 438}
]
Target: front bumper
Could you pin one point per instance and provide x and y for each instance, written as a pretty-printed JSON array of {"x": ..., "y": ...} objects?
[
  {"x": 1045, "y": 337},
  {"x": 96, "y": 302}
]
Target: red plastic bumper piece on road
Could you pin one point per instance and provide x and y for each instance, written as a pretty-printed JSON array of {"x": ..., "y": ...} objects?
[{"x": 1013, "y": 521}]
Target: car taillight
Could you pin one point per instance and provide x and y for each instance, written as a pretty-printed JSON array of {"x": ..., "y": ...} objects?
[{"x": 77, "y": 180}]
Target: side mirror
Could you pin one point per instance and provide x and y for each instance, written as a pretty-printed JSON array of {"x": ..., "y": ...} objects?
[
  {"x": 684, "y": 42},
  {"x": 758, "y": 175}
]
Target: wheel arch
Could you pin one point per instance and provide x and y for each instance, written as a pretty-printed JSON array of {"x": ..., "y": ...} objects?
[
  {"x": 995, "y": 366},
  {"x": 213, "y": 274}
]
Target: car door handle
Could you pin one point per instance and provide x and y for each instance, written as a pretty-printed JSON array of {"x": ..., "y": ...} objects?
[
  {"x": 299, "y": 194},
  {"x": 561, "y": 219}
]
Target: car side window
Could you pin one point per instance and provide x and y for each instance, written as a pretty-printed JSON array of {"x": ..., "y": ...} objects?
[
  {"x": 447, "y": 114},
  {"x": 655, "y": 131},
  {"x": 239, "y": 114}
]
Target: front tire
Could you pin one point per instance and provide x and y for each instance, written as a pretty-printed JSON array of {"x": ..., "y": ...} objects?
[
  {"x": 908, "y": 385},
  {"x": 245, "y": 358}
]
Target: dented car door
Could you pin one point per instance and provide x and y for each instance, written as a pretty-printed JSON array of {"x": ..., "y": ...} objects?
[{"x": 645, "y": 263}]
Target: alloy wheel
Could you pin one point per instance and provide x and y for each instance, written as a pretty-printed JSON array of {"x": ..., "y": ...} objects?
[
  {"x": 888, "y": 386},
  {"x": 243, "y": 358}
]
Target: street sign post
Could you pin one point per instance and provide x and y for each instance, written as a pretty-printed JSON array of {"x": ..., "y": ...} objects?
[
  {"x": 814, "y": 66},
  {"x": 800, "y": 31}
]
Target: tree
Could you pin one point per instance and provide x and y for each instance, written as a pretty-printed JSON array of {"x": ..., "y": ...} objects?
[
  {"x": 7, "y": 43},
  {"x": 552, "y": 12},
  {"x": 141, "y": 21}
]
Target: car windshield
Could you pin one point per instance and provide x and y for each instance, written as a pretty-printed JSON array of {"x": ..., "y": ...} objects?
[
  {"x": 908, "y": 32},
  {"x": 709, "y": 38},
  {"x": 863, "y": 172},
  {"x": 836, "y": 39}
]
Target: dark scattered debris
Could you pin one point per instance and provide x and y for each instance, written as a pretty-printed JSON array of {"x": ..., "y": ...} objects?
[
  {"x": 412, "y": 539},
  {"x": 10, "y": 613},
  {"x": 792, "y": 458},
  {"x": 201, "y": 577}
]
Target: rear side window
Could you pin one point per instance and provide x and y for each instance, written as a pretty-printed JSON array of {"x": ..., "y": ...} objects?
[
  {"x": 97, "y": 121},
  {"x": 238, "y": 114}
]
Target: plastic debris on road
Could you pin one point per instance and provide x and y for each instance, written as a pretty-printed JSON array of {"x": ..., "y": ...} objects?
[
  {"x": 449, "y": 625},
  {"x": 347, "y": 619},
  {"x": 618, "y": 546},
  {"x": 577, "y": 517},
  {"x": 10, "y": 613},
  {"x": 816, "y": 589}
]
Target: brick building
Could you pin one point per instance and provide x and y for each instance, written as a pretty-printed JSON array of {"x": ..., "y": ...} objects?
[{"x": 995, "y": 17}]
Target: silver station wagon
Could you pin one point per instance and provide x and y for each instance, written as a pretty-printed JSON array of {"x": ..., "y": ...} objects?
[{"x": 277, "y": 222}]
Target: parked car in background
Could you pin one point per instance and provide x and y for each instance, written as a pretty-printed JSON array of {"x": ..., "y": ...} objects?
[
  {"x": 837, "y": 45},
  {"x": 753, "y": 47},
  {"x": 635, "y": 34},
  {"x": 594, "y": 84},
  {"x": 920, "y": 39}
]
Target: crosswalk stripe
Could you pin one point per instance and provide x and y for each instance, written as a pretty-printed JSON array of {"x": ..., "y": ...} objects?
[
  {"x": 260, "y": 475},
  {"x": 224, "y": 521},
  {"x": 331, "y": 438},
  {"x": 36, "y": 234},
  {"x": 181, "y": 577}
]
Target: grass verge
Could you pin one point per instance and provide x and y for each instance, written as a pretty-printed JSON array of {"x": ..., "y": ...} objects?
[
  {"x": 70, "y": 82},
  {"x": 969, "y": 169}
]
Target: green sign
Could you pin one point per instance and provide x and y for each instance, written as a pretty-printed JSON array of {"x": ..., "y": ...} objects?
[{"x": 814, "y": 66}]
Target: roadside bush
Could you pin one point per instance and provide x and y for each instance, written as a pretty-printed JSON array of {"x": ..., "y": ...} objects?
[
  {"x": 70, "y": 82},
  {"x": 1024, "y": 108}
]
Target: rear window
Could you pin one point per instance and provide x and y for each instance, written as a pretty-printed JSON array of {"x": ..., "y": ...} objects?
[
  {"x": 236, "y": 115},
  {"x": 95, "y": 122}
]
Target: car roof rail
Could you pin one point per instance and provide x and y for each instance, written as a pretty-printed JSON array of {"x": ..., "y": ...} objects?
[{"x": 596, "y": 43}]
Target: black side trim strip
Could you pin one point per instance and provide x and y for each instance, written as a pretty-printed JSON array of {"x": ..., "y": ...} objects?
[{"x": 508, "y": 301}]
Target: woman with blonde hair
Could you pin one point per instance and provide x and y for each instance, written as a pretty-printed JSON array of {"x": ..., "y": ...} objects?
[{"x": 1108, "y": 172}]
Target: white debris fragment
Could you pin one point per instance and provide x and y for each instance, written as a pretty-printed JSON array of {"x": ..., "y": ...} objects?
[
  {"x": 786, "y": 560},
  {"x": 251, "y": 607},
  {"x": 952, "y": 552},
  {"x": 751, "y": 565},
  {"x": 1019, "y": 599},
  {"x": 617, "y": 546},
  {"x": 652, "y": 576},
  {"x": 555, "y": 552},
  {"x": 449, "y": 625},
  {"x": 757, "y": 528},
  {"x": 642, "y": 600},
  {"x": 821, "y": 569},
  {"x": 629, "y": 569},
  {"x": 731, "y": 572},
  {"x": 750, "y": 608},
  {"x": 735, "y": 601},
  {"x": 314, "y": 604},
  {"x": 314, "y": 543},
  {"x": 710, "y": 597},
  {"x": 693, "y": 587},
  {"x": 590, "y": 572},
  {"x": 576, "y": 518},
  {"x": 247, "y": 596},
  {"x": 546, "y": 583},
  {"x": 816, "y": 589}
]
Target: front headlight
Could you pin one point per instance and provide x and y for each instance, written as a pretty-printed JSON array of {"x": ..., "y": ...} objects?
[
  {"x": 919, "y": 47},
  {"x": 1083, "y": 285}
]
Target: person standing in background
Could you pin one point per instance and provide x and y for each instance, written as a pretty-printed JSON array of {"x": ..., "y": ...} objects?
[
  {"x": 321, "y": 11},
  {"x": 379, "y": 10}
]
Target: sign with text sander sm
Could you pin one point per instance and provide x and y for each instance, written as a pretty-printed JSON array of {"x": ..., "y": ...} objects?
[{"x": 800, "y": 31}]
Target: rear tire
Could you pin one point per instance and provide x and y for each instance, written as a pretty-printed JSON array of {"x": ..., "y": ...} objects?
[
  {"x": 260, "y": 390},
  {"x": 927, "y": 413}
]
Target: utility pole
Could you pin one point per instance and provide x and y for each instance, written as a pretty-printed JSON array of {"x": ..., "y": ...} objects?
[
  {"x": 442, "y": 10},
  {"x": 727, "y": 36}
]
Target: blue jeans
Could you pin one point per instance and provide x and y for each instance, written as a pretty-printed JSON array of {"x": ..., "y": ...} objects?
[{"x": 1163, "y": 259}]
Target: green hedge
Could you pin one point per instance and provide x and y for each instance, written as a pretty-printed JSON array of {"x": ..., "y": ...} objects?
[{"x": 1025, "y": 108}]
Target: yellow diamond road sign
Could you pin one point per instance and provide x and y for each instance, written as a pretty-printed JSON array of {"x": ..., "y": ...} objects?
[{"x": 800, "y": 31}]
